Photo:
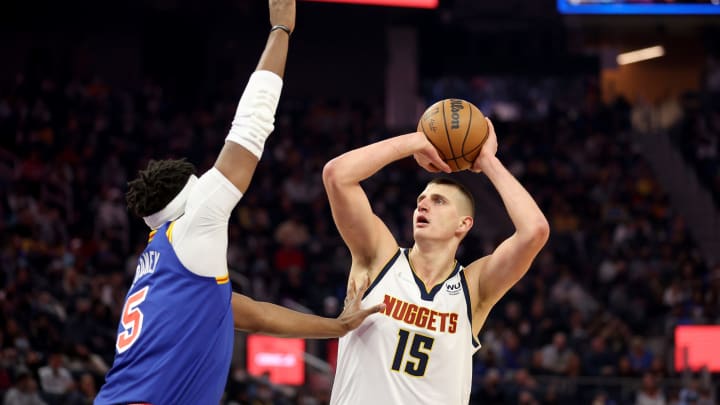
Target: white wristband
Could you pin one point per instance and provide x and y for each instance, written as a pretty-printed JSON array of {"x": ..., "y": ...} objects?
[{"x": 255, "y": 113}]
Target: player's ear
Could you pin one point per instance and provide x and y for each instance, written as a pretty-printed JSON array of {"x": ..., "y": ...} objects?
[{"x": 465, "y": 225}]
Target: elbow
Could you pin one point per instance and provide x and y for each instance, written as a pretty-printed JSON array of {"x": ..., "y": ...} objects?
[
  {"x": 537, "y": 233},
  {"x": 541, "y": 231},
  {"x": 331, "y": 173}
]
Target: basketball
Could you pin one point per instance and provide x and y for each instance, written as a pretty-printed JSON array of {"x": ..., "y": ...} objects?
[{"x": 457, "y": 129}]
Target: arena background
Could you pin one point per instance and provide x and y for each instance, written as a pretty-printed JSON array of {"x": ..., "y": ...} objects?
[{"x": 622, "y": 159}]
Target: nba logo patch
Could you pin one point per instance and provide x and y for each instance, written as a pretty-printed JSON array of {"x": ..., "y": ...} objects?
[{"x": 453, "y": 288}]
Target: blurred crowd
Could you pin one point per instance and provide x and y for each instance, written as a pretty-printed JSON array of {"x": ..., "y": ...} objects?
[
  {"x": 602, "y": 299},
  {"x": 697, "y": 135}
]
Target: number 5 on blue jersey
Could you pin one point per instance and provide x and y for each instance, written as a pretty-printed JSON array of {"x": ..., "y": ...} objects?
[{"x": 132, "y": 320}]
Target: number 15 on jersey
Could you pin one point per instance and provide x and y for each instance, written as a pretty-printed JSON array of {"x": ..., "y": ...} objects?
[{"x": 415, "y": 363}]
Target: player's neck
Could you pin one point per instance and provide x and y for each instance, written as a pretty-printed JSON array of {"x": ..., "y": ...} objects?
[{"x": 432, "y": 262}]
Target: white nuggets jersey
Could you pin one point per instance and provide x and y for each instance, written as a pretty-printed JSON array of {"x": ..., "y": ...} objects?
[{"x": 418, "y": 351}]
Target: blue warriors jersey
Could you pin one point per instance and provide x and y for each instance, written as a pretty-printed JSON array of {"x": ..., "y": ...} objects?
[
  {"x": 417, "y": 351},
  {"x": 175, "y": 337}
]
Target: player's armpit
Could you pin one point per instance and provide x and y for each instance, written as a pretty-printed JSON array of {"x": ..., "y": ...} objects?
[{"x": 495, "y": 274}]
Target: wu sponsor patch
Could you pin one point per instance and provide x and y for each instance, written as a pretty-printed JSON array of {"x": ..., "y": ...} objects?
[{"x": 453, "y": 288}]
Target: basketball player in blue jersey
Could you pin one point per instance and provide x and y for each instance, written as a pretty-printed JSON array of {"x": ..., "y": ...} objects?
[
  {"x": 419, "y": 351},
  {"x": 175, "y": 337}
]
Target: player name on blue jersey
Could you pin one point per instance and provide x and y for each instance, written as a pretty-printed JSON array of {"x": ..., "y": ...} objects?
[{"x": 147, "y": 263}]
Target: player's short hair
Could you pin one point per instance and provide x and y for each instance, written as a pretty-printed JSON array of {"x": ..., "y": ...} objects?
[
  {"x": 461, "y": 187},
  {"x": 157, "y": 185}
]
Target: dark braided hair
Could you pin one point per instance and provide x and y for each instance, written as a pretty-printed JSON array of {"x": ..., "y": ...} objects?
[{"x": 157, "y": 185}]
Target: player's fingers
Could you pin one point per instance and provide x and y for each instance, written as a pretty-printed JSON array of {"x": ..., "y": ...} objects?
[
  {"x": 351, "y": 287},
  {"x": 351, "y": 292},
  {"x": 426, "y": 163},
  {"x": 436, "y": 166},
  {"x": 431, "y": 168},
  {"x": 365, "y": 284},
  {"x": 439, "y": 163},
  {"x": 360, "y": 291},
  {"x": 373, "y": 310},
  {"x": 491, "y": 129}
]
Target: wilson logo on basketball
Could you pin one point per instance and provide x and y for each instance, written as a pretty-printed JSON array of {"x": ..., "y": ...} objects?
[{"x": 455, "y": 107}]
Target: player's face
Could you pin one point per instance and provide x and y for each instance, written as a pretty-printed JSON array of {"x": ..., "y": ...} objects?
[{"x": 436, "y": 214}]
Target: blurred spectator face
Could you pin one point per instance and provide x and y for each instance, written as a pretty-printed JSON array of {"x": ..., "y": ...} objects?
[
  {"x": 649, "y": 383},
  {"x": 537, "y": 359},
  {"x": 657, "y": 367},
  {"x": 574, "y": 365},
  {"x": 512, "y": 311},
  {"x": 87, "y": 384},
  {"x": 55, "y": 361},
  {"x": 511, "y": 341},
  {"x": 26, "y": 383},
  {"x": 526, "y": 398},
  {"x": 523, "y": 379},
  {"x": 82, "y": 351},
  {"x": 492, "y": 379},
  {"x": 600, "y": 399},
  {"x": 624, "y": 365},
  {"x": 264, "y": 392},
  {"x": 82, "y": 305},
  {"x": 559, "y": 340},
  {"x": 538, "y": 308},
  {"x": 637, "y": 346},
  {"x": 598, "y": 345}
]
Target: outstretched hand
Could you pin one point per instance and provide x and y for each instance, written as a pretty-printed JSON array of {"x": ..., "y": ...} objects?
[
  {"x": 489, "y": 148},
  {"x": 352, "y": 315},
  {"x": 282, "y": 12},
  {"x": 428, "y": 157}
]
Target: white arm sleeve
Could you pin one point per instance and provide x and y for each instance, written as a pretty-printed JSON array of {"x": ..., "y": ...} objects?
[{"x": 200, "y": 236}]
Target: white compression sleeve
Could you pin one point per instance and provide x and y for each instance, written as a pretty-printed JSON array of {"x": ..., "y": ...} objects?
[
  {"x": 200, "y": 237},
  {"x": 255, "y": 113}
]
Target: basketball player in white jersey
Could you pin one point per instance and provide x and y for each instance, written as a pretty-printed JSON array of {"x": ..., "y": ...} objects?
[{"x": 419, "y": 349}]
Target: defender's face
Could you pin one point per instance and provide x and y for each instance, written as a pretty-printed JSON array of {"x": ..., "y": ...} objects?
[{"x": 436, "y": 214}]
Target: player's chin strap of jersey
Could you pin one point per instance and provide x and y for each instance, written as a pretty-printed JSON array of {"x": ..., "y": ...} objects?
[{"x": 174, "y": 209}]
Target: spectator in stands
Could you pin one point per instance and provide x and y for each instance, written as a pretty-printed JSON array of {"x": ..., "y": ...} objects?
[
  {"x": 650, "y": 392},
  {"x": 640, "y": 357},
  {"x": 24, "y": 392},
  {"x": 55, "y": 379},
  {"x": 84, "y": 393},
  {"x": 598, "y": 360},
  {"x": 556, "y": 355}
]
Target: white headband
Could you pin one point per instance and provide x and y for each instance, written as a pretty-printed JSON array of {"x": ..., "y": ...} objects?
[{"x": 174, "y": 209}]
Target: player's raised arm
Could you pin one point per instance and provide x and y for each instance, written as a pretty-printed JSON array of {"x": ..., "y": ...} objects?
[
  {"x": 255, "y": 115},
  {"x": 495, "y": 274},
  {"x": 270, "y": 319},
  {"x": 367, "y": 237}
]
